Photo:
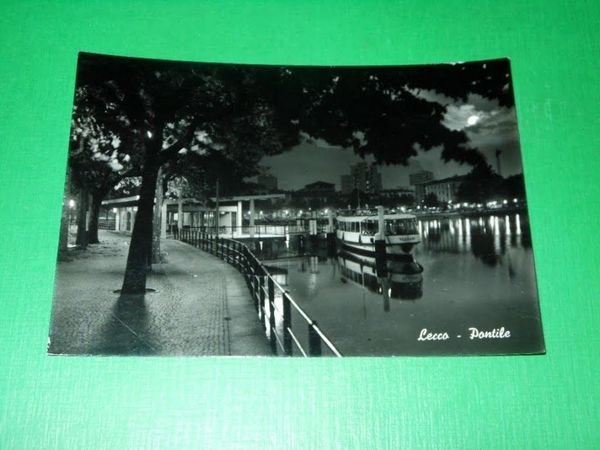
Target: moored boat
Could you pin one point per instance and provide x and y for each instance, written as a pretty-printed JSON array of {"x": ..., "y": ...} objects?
[{"x": 359, "y": 233}]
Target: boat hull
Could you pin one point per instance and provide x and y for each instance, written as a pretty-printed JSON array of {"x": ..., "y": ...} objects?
[{"x": 394, "y": 245}]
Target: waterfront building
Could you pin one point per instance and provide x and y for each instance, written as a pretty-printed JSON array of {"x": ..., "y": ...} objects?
[
  {"x": 445, "y": 190},
  {"x": 315, "y": 195}
]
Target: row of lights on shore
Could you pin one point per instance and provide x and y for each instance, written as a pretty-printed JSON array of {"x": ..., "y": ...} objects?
[
  {"x": 300, "y": 213},
  {"x": 490, "y": 204}
]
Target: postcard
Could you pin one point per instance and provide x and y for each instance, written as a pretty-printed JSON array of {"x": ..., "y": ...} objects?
[{"x": 262, "y": 210}]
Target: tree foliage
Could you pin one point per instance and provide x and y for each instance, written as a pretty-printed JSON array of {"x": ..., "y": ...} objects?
[
  {"x": 380, "y": 111},
  {"x": 482, "y": 184}
]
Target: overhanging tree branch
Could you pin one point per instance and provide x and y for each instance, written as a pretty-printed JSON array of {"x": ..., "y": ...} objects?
[{"x": 173, "y": 150}]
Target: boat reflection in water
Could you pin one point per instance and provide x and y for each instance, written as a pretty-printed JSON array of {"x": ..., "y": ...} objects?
[{"x": 404, "y": 279}]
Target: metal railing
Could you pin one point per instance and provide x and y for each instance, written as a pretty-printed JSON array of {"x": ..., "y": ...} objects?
[{"x": 285, "y": 323}]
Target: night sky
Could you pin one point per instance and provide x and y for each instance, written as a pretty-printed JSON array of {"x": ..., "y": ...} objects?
[{"x": 489, "y": 127}]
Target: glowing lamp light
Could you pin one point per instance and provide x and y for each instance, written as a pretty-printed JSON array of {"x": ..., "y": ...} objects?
[{"x": 71, "y": 203}]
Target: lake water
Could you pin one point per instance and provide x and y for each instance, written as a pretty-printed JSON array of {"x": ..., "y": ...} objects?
[{"x": 477, "y": 272}]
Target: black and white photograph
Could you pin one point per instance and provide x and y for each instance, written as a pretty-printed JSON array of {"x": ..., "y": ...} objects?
[{"x": 216, "y": 209}]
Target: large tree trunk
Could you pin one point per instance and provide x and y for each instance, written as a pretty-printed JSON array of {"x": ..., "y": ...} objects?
[
  {"x": 82, "y": 209},
  {"x": 63, "y": 243},
  {"x": 94, "y": 216},
  {"x": 141, "y": 237},
  {"x": 156, "y": 229}
]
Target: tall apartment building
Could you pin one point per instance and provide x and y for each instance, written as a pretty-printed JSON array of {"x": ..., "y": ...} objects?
[
  {"x": 418, "y": 180},
  {"x": 363, "y": 177}
]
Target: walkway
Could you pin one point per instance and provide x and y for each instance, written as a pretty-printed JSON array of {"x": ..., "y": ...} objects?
[{"x": 201, "y": 305}]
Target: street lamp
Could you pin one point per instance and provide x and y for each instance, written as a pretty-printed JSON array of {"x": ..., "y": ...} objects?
[{"x": 71, "y": 208}]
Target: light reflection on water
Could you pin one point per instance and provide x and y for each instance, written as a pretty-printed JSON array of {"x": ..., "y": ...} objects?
[
  {"x": 486, "y": 238},
  {"x": 475, "y": 271}
]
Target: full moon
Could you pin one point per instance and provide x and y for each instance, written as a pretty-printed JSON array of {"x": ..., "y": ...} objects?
[{"x": 472, "y": 120}]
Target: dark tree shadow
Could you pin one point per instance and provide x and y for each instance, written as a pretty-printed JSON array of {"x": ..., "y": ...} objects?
[{"x": 127, "y": 331}]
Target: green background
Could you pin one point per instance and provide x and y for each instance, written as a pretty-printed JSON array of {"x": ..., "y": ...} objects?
[{"x": 549, "y": 401}]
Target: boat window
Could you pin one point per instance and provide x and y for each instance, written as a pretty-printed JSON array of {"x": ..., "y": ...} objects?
[
  {"x": 369, "y": 227},
  {"x": 401, "y": 226}
]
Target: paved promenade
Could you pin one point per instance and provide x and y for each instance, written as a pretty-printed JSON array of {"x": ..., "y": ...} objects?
[{"x": 201, "y": 305}]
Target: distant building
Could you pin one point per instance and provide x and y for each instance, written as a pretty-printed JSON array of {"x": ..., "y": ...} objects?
[
  {"x": 267, "y": 182},
  {"x": 317, "y": 194},
  {"x": 374, "y": 183},
  {"x": 358, "y": 172},
  {"x": 363, "y": 177},
  {"x": 445, "y": 190},
  {"x": 319, "y": 186},
  {"x": 421, "y": 177},
  {"x": 418, "y": 180}
]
